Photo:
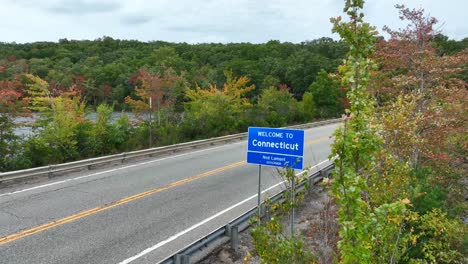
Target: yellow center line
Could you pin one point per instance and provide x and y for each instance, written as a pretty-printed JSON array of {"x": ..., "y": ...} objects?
[
  {"x": 317, "y": 140},
  {"x": 71, "y": 218},
  {"x": 28, "y": 232}
]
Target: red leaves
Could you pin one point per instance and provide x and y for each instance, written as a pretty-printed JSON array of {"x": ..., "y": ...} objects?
[
  {"x": 8, "y": 91},
  {"x": 10, "y": 96},
  {"x": 11, "y": 58},
  {"x": 408, "y": 48},
  {"x": 158, "y": 87},
  {"x": 79, "y": 85},
  {"x": 409, "y": 65},
  {"x": 420, "y": 27},
  {"x": 284, "y": 87}
]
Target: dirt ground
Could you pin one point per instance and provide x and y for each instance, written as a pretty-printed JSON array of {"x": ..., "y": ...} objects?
[{"x": 315, "y": 220}]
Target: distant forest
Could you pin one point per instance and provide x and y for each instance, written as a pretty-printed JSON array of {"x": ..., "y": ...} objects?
[{"x": 106, "y": 66}]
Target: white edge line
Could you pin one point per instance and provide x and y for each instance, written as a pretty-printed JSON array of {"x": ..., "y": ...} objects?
[
  {"x": 162, "y": 243},
  {"x": 172, "y": 238},
  {"x": 112, "y": 170}
]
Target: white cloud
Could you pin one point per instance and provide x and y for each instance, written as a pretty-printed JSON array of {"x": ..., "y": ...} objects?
[
  {"x": 80, "y": 7},
  {"x": 204, "y": 20}
]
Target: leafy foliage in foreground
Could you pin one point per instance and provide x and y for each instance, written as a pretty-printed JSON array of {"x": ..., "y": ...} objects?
[
  {"x": 273, "y": 244},
  {"x": 387, "y": 156}
]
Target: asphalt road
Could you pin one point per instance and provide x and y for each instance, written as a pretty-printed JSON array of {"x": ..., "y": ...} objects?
[{"x": 139, "y": 213}]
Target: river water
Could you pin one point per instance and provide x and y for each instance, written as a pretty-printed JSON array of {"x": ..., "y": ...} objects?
[{"x": 24, "y": 128}]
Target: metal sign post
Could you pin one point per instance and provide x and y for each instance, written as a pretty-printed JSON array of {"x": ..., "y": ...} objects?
[
  {"x": 293, "y": 196},
  {"x": 150, "y": 123},
  {"x": 259, "y": 191}
]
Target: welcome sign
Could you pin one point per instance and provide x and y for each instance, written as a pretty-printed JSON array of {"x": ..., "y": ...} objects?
[{"x": 276, "y": 147}]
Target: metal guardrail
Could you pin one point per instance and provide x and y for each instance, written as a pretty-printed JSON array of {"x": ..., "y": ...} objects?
[
  {"x": 52, "y": 170},
  {"x": 230, "y": 232}
]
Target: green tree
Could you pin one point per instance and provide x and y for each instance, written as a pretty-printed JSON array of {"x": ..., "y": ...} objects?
[
  {"x": 60, "y": 132},
  {"x": 445, "y": 46},
  {"x": 307, "y": 107},
  {"x": 40, "y": 67},
  {"x": 279, "y": 104},
  {"x": 100, "y": 136},
  {"x": 369, "y": 233},
  {"x": 166, "y": 57},
  {"x": 301, "y": 69},
  {"x": 438, "y": 240},
  {"x": 272, "y": 242},
  {"x": 325, "y": 91}
]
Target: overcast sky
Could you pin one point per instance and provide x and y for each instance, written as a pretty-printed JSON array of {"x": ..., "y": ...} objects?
[{"x": 197, "y": 21}]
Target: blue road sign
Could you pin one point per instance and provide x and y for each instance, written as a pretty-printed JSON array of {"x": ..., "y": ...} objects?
[{"x": 276, "y": 147}]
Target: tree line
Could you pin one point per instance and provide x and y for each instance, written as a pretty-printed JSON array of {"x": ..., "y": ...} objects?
[
  {"x": 178, "y": 92},
  {"x": 106, "y": 65}
]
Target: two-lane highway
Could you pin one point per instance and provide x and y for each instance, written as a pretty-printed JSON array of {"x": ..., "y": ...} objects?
[{"x": 139, "y": 213}]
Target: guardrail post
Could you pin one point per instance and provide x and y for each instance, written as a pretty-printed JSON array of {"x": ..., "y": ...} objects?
[
  {"x": 175, "y": 150},
  {"x": 267, "y": 213},
  {"x": 49, "y": 174},
  {"x": 235, "y": 237},
  {"x": 181, "y": 259},
  {"x": 228, "y": 230},
  {"x": 124, "y": 155},
  {"x": 311, "y": 182}
]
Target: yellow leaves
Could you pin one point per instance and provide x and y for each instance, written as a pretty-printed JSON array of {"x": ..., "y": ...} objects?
[
  {"x": 139, "y": 106},
  {"x": 199, "y": 93},
  {"x": 233, "y": 89},
  {"x": 38, "y": 93},
  {"x": 236, "y": 87},
  {"x": 247, "y": 258},
  {"x": 274, "y": 207},
  {"x": 391, "y": 181},
  {"x": 400, "y": 126},
  {"x": 413, "y": 239},
  {"x": 326, "y": 181},
  {"x": 406, "y": 201},
  {"x": 36, "y": 84},
  {"x": 274, "y": 226},
  {"x": 66, "y": 114}
]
